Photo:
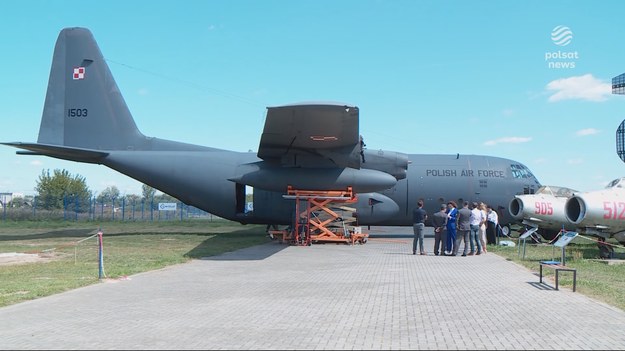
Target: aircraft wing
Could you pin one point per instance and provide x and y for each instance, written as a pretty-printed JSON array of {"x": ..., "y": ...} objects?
[{"x": 311, "y": 136}]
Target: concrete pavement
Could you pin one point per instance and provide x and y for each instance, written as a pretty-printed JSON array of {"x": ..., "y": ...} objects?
[{"x": 273, "y": 296}]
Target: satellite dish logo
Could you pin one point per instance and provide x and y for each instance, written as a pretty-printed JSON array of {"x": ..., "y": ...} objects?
[{"x": 561, "y": 35}]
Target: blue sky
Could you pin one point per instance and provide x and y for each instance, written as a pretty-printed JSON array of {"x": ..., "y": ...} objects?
[{"x": 467, "y": 77}]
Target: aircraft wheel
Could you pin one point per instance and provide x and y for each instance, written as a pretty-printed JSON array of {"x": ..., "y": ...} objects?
[
  {"x": 548, "y": 234},
  {"x": 505, "y": 230}
]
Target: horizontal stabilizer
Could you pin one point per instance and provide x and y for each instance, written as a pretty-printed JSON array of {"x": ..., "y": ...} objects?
[{"x": 62, "y": 152}]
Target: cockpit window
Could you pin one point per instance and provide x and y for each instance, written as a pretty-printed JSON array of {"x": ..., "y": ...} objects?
[
  {"x": 520, "y": 172},
  {"x": 556, "y": 191},
  {"x": 616, "y": 183}
]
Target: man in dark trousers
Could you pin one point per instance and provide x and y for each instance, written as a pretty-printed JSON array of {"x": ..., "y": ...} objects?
[
  {"x": 491, "y": 225},
  {"x": 418, "y": 224},
  {"x": 450, "y": 241},
  {"x": 464, "y": 227},
  {"x": 439, "y": 221}
]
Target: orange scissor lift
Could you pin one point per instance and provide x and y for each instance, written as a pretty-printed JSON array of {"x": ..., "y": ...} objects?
[{"x": 317, "y": 222}]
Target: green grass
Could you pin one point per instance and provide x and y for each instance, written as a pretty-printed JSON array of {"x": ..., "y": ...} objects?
[
  {"x": 595, "y": 278},
  {"x": 129, "y": 248}
]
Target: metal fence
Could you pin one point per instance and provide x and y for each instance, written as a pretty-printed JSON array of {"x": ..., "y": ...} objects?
[{"x": 114, "y": 210}]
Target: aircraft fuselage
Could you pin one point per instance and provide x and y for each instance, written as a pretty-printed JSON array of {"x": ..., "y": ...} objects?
[{"x": 202, "y": 178}]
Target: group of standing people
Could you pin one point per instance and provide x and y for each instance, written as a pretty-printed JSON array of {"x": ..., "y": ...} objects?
[{"x": 476, "y": 226}]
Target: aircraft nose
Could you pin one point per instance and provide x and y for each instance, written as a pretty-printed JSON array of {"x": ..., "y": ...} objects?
[
  {"x": 575, "y": 209},
  {"x": 516, "y": 208}
]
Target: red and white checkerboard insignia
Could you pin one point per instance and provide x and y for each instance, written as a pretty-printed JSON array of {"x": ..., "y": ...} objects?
[{"x": 79, "y": 73}]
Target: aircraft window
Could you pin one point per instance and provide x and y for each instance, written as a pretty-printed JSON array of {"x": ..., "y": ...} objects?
[
  {"x": 556, "y": 191},
  {"x": 545, "y": 189},
  {"x": 616, "y": 183},
  {"x": 565, "y": 192},
  {"x": 520, "y": 171}
]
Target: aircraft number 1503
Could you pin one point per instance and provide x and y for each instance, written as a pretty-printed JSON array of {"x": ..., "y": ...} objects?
[
  {"x": 543, "y": 208},
  {"x": 77, "y": 112}
]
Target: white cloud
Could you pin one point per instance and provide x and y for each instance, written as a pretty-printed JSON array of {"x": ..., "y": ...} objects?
[
  {"x": 575, "y": 161},
  {"x": 507, "y": 112},
  {"x": 508, "y": 140},
  {"x": 584, "y": 87},
  {"x": 541, "y": 160},
  {"x": 36, "y": 163},
  {"x": 587, "y": 131},
  {"x": 143, "y": 91}
]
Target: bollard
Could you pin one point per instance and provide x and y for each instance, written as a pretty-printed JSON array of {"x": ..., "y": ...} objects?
[{"x": 100, "y": 255}]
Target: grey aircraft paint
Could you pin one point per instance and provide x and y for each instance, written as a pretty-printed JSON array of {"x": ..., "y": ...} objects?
[{"x": 308, "y": 146}]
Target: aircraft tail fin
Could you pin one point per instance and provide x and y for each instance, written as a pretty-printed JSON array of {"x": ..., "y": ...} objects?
[{"x": 84, "y": 107}]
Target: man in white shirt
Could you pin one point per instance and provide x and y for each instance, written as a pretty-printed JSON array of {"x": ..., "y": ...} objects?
[{"x": 492, "y": 220}]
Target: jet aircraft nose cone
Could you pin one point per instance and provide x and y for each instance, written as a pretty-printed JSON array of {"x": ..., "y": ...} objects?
[
  {"x": 516, "y": 207},
  {"x": 575, "y": 210}
]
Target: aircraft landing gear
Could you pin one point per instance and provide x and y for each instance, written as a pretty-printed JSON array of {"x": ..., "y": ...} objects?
[
  {"x": 548, "y": 235},
  {"x": 505, "y": 230}
]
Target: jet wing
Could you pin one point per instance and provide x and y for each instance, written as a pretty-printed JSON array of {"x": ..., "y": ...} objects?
[{"x": 312, "y": 136}]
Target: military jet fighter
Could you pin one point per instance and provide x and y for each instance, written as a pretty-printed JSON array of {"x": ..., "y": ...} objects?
[
  {"x": 312, "y": 146},
  {"x": 543, "y": 210},
  {"x": 599, "y": 213}
]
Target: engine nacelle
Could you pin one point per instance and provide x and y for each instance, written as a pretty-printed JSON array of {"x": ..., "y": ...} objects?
[
  {"x": 372, "y": 208},
  {"x": 391, "y": 162},
  {"x": 280, "y": 178}
]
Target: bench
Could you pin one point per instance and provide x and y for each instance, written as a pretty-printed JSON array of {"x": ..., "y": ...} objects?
[{"x": 558, "y": 267}]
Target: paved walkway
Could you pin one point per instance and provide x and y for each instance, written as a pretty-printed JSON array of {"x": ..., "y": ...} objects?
[{"x": 372, "y": 296}]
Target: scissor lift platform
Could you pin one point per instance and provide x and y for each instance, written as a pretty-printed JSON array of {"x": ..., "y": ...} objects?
[{"x": 320, "y": 220}]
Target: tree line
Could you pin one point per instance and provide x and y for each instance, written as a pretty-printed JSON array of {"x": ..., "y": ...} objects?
[{"x": 58, "y": 189}]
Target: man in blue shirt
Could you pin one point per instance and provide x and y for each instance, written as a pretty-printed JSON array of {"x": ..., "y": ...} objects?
[{"x": 452, "y": 213}]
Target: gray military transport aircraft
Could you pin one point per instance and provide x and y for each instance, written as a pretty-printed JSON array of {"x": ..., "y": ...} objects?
[{"x": 312, "y": 146}]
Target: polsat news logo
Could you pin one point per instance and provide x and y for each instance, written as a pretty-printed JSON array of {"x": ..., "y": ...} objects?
[{"x": 561, "y": 36}]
